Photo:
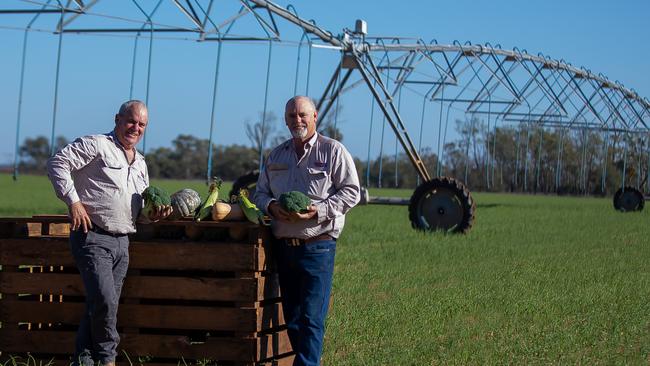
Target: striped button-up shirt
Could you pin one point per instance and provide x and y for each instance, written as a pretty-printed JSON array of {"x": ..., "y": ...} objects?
[
  {"x": 94, "y": 170},
  {"x": 325, "y": 173}
]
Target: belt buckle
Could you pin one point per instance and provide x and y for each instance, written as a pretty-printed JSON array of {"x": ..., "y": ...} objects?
[{"x": 294, "y": 242}]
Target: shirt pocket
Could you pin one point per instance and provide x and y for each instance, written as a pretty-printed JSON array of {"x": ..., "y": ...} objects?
[
  {"x": 318, "y": 183},
  {"x": 111, "y": 163},
  {"x": 279, "y": 181},
  {"x": 113, "y": 171}
]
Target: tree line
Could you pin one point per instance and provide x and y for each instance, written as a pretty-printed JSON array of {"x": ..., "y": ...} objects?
[{"x": 516, "y": 158}]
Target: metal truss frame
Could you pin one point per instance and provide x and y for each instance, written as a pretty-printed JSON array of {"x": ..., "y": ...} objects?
[{"x": 508, "y": 85}]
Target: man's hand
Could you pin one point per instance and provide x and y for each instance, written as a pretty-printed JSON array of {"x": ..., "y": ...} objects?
[
  {"x": 307, "y": 215},
  {"x": 79, "y": 217},
  {"x": 279, "y": 213},
  {"x": 160, "y": 212}
]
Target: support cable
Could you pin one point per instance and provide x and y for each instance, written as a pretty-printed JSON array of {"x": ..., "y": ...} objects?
[
  {"x": 624, "y": 167},
  {"x": 603, "y": 180},
  {"x": 583, "y": 162},
  {"x": 440, "y": 148},
  {"x": 494, "y": 151},
  {"x": 399, "y": 107},
  {"x": 372, "y": 114},
  {"x": 20, "y": 91},
  {"x": 266, "y": 97},
  {"x": 213, "y": 112},
  {"x": 558, "y": 167},
  {"x": 56, "y": 82},
  {"x": 539, "y": 158},
  {"x": 526, "y": 156}
]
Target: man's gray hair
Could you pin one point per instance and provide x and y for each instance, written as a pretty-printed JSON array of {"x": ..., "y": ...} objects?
[
  {"x": 128, "y": 105},
  {"x": 295, "y": 99}
]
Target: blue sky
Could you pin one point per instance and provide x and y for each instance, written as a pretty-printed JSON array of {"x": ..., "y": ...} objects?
[{"x": 604, "y": 36}]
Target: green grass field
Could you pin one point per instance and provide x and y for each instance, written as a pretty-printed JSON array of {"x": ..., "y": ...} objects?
[{"x": 538, "y": 280}]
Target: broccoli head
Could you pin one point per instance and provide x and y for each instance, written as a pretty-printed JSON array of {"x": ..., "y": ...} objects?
[
  {"x": 294, "y": 201},
  {"x": 154, "y": 197}
]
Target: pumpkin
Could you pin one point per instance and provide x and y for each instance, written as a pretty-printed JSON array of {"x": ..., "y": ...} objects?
[
  {"x": 184, "y": 203},
  {"x": 226, "y": 212}
]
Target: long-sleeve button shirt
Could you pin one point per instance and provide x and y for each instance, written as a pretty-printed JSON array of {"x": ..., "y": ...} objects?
[
  {"x": 94, "y": 170},
  {"x": 325, "y": 173}
]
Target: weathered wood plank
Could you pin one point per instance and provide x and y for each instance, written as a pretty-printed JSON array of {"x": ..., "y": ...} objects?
[
  {"x": 144, "y": 255},
  {"x": 244, "y": 320},
  {"x": 35, "y": 251},
  {"x": 137, "y": 315},
  {"x": 169, "y": 346},
  {"x": 195, "y": 256},
  {"x": 147, "y": 287}
]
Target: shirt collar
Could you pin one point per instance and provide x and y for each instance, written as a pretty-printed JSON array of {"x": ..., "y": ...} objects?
[
  {"x": 311, "y": 141},
  {"x": 111, "y": 136},
  {"x": 308, "y": 144}
]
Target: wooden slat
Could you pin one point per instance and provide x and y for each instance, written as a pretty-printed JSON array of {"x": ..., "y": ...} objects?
[
  {"x": 147, "y": 287},
  {"x": 243, "y": 320},
  {"x": 136, "y": 315},
  {"x": 144, "y": 255},
  {"x": 196, "y": 256},
  {"x": 219, "y": 349},
  {"x": 270, "y": 316},
  {"x": 35, "y": 251}
]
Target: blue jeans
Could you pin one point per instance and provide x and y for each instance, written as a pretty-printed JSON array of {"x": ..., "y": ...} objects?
[
  {"x": 102, "y": 261},
  {"x": 306, "y": 282}
]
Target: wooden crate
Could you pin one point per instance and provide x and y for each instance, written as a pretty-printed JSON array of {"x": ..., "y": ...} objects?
[{"x": 194, "y": 291}]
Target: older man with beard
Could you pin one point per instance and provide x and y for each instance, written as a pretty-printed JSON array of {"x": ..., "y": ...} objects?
[{"x": 321, "y": 168}]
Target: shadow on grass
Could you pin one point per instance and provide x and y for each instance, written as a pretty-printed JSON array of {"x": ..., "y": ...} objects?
[{"x": 491, "y": 205}]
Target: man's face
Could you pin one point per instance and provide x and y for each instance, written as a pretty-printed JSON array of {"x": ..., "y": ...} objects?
[
  {"x": 130, "y": 126},
  {"x": 301, "y": 117}
]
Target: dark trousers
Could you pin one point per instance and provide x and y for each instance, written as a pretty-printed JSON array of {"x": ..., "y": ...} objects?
[
  {"x": 306, "y": 282},
  {"x": 102, "y": 260}
]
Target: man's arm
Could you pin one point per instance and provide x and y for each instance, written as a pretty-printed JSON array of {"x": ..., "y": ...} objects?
[
  {"x": 72, "y": 157},
  {"x": 346, "y": 182}
]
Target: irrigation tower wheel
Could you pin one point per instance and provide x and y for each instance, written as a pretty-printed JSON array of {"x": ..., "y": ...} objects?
[
  {"x": 628, "y": 199},
  {"x": 443, "y": 204},
  {"x": 248, "y": 181}
]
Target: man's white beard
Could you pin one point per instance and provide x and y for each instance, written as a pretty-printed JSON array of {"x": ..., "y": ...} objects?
[{"x": 299, "y": 133}]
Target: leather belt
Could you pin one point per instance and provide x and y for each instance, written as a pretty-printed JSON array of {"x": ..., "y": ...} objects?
[
  {"x": 294, "y": 242},
  {"x": 99, "y": 230}
]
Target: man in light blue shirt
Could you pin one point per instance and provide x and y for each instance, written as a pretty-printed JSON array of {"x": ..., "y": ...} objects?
[{"x": 321, "y": 168}]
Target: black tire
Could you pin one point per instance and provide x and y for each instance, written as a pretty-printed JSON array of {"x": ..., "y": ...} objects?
[
  {"x": 248, "y": 181},
  {"x": 628, "y": 199},
  {"x": 442, "y": 204}
]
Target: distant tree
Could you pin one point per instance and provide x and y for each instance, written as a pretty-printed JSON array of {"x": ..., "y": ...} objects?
[
  {"x": 34, "y": 152},
  {"x": 259, "y": 133},
  {"x": 188, "y": 158}
]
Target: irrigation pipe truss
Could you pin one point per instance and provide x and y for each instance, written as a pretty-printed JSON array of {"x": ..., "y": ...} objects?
[{"x": 510, "y": 86}]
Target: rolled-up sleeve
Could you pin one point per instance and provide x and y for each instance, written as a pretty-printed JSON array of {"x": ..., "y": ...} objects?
[
  {"x": 73, "y": 157},
  {"x": 346, "y": 183}
]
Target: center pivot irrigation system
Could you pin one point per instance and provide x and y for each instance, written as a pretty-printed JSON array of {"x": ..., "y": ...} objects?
[{"x": 501, "y": 87}]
